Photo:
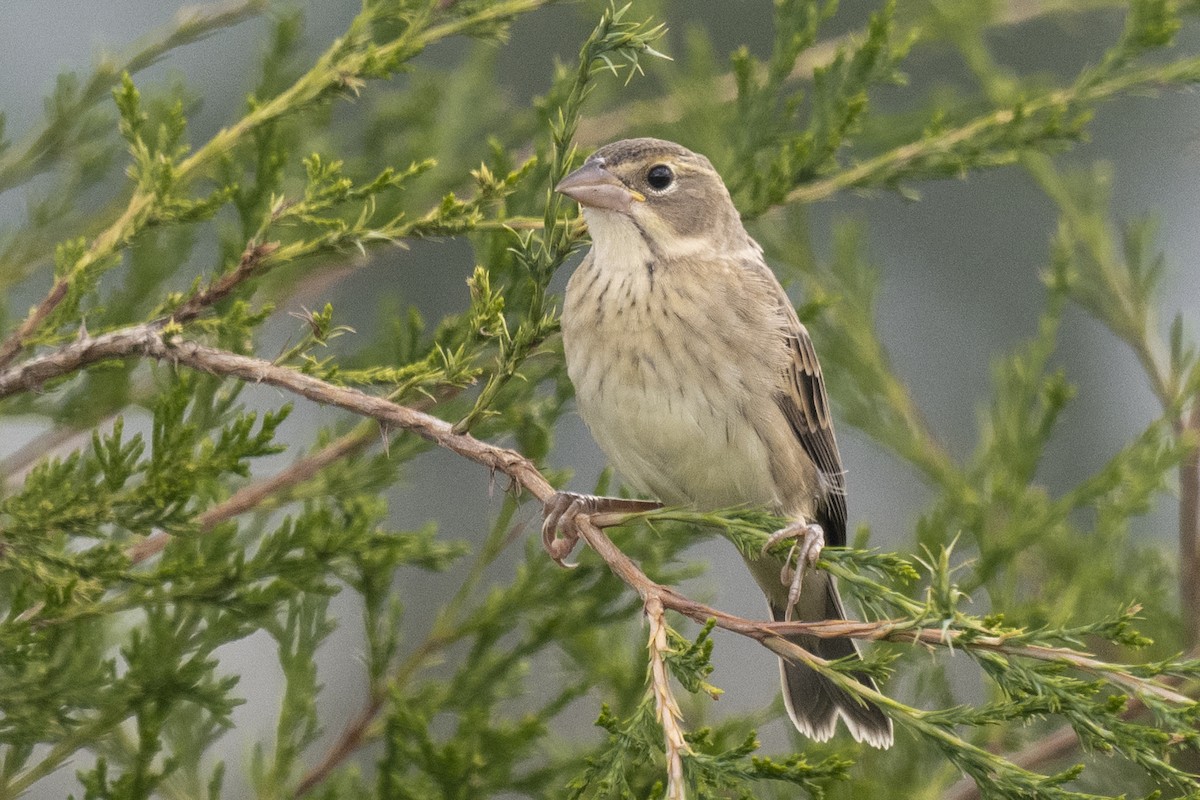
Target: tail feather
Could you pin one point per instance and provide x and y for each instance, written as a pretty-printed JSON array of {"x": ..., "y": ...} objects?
[{"x": 814, "y": 702}]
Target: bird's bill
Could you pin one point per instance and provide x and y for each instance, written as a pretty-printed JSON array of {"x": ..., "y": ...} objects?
[{"x": 595, "y": 187}]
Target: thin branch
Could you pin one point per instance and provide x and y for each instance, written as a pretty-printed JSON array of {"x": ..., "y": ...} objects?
[
  {"x": 900, "y": 631},
  {"x": 353, "y": 736},
  {"x": 336, "y": 69},
  {"x": 665, "y": 706},
  {"x": 874, "y": 170},
  {"x": 251, "y": 260},
  {"x": 1047, "y": 750},
  {"x": 147, "y": 341},
  {"x": 13, "y": 343},
  {"x": 249, "y": 264}
]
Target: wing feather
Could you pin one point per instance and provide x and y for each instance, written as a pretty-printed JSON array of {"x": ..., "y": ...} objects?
[{"x": 806, "y": 405}]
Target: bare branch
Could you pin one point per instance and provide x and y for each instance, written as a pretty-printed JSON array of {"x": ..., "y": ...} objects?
[
  {"x": 147, "y": 341},
  {"x": 353, "y": 736},
  {"x": 665, "y": 706}
]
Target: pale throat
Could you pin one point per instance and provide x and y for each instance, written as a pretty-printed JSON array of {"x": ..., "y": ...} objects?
[{"x": 618, "y": 242}]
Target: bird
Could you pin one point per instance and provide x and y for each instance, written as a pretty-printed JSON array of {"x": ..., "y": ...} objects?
[{"x": 702, "y": 387}]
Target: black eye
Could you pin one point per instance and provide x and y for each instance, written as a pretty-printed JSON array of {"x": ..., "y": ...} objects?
[{"x": 659, "y": 177}]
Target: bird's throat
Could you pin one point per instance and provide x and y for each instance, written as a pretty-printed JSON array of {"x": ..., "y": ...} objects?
[{"x": 620, "y": 243}]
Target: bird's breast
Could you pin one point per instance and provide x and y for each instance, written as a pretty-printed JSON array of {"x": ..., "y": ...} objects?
[{"x": 675, "y": 384}]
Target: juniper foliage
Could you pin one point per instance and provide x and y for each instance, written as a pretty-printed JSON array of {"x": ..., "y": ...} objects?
[{"x": 151, "y": 525}]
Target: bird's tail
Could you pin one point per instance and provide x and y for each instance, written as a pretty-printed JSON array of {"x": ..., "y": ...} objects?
[{"x": 814, "y": 702}]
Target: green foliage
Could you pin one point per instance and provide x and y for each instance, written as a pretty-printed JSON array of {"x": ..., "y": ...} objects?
[
  {"x": 717, "y": 765},
  {"x": 151, "y": 529},
  {"x": 770, "y": 157}
]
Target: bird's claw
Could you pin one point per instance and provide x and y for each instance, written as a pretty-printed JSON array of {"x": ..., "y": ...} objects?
[
  {"x": 559, "y": 534},
  {"x": 810, "y": 540},
  {"x": 560, "y": 529}
]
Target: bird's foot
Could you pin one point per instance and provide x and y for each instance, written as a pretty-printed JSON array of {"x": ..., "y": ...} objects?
[
  {"x": 560, "y": 527},
  {"x": 810, "y": 540},
  {"x": 559, "y": 532}
]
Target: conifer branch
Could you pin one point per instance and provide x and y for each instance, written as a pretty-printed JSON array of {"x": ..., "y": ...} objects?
[
  {"x": 603, "y": 128},
  {"x": 146, "y": 341},
  {"x": 885, "y": 168},
  {"x": 253, "y": 495},
  {"x": 47, "y": 144},
  {"x": 1049, "y": 749},
  {"x": 344, "y": 67},
  {"x": 67, "y": 531}
]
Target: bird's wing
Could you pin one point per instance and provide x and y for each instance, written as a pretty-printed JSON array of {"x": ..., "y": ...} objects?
[{"x": 806, "y": 406}]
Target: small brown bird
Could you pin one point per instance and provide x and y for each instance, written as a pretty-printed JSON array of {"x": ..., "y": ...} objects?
[{"x": 702, "y": 387}]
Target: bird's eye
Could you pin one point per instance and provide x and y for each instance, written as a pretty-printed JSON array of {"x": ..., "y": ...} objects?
[{"x": 659, "y": 177}]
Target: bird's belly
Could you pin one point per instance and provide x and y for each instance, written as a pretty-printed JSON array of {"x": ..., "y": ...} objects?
[{"x": 684, "y": 442}]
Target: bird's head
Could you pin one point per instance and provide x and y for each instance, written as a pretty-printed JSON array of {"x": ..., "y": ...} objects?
[{"x": 666, "y": 194}]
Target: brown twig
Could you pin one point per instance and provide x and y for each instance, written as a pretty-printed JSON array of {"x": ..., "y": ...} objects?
[
  {"x": 665, "y": 706},
  {"x": 37, "y": 315},
  {"x": 251, "y": 262},
  {"x": 353, "y": 736},
  {"x": 147, "y": 341},
  {"x": 357, "y": 731}
]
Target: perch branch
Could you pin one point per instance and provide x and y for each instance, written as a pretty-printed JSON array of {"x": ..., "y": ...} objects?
[{"x": 147, "y": 341}]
